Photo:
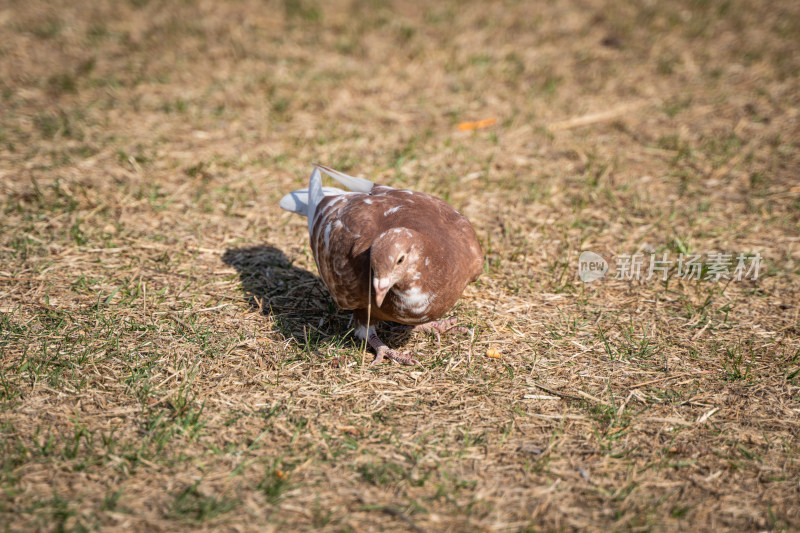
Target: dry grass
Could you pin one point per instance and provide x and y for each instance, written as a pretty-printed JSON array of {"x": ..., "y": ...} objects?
[{"x": 170, "y": 360}]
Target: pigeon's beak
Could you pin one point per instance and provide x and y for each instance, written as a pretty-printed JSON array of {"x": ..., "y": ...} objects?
[{"x": 382, "y": 286}]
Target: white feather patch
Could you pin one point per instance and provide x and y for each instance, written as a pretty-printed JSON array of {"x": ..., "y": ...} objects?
[
  {"x": 361, "y": 332},
  {"x": 327, "y": 235},
  {"x": 413, "y": 300}
]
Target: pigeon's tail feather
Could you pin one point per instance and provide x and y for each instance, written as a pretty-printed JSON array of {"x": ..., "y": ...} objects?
[
  {"x": 315, "y": 196},
  {"x": 297, "y": 201},
  {"x": 354, "y": 184}
]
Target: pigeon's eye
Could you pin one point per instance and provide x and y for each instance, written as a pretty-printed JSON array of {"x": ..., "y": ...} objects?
[{"x": 400, "y": 259}]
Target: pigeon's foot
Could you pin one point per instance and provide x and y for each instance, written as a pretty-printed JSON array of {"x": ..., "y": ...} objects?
[
  {"x": 402, "y": 358},
  {"x": 442, "y": 326},
  {"x": 382, "y": 351}
]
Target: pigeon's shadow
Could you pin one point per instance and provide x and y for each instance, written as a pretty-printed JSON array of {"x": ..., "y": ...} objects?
[{"x": 296, "y": 299}]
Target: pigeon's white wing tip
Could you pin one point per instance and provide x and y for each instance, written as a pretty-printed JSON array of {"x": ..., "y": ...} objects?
[
  {"x": 351, "y": 182},
  {"x": 296, "y": 202}
]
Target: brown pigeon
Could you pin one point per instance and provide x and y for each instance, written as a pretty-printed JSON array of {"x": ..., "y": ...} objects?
[{"x": 408, "y": 253}]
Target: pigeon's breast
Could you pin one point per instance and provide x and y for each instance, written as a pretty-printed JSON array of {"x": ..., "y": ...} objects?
[{"x": 411, "y": 305}]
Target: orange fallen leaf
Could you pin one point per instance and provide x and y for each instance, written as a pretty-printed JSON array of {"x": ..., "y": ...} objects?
[{"x": 485, "y": 123}]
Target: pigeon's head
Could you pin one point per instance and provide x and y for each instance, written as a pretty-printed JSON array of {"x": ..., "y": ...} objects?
[{"x": 394, "y": 255}]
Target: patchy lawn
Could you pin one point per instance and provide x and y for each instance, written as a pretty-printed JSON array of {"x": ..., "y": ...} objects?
[{"x": 169, "y": 359}]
